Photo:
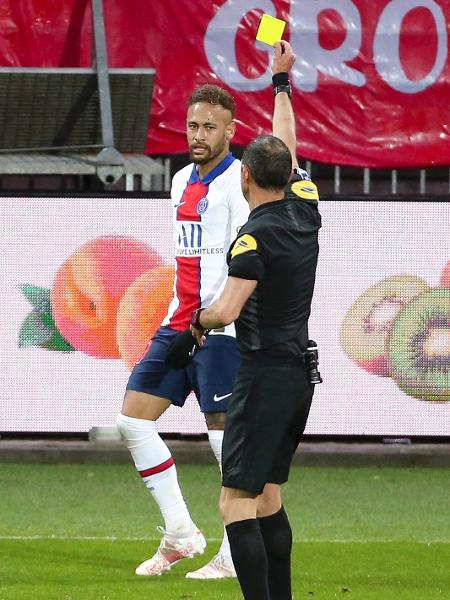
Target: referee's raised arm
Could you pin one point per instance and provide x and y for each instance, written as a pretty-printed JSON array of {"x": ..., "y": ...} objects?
[{"x": 283, "y": 121}]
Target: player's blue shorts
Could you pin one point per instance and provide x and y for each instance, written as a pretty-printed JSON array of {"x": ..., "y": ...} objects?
[{"x": 210, "y": 374}]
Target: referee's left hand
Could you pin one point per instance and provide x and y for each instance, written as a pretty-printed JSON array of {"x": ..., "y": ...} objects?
[{"x": 199, "y": 335}]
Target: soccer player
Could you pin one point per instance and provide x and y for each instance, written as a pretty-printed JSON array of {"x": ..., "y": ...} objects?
[
  {"x": 268, "y": 293},
  {"x": 209, "y": 210}
]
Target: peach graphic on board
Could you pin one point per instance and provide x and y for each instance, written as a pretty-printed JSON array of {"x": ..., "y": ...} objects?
[
  {"x": 445, "y": 277},
  {"x": 141, "y": 310},
  {"x": 89, "y": 286}
]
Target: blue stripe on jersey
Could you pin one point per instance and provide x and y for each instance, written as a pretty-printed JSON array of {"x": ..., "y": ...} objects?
[{"x": 218, "y": 170}]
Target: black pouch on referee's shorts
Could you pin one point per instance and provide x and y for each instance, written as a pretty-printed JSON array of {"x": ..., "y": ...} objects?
[
  {"x": 181, "y": 350},
  {"x": 311, "y": 357}
]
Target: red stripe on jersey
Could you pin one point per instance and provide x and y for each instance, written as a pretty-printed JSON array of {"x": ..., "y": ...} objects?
[
  {"x": 187, "y": 290},
  {"x": 187, "y": 209},
  {"x": 158, "y": 469},
  {"x": 188, "y": 276}
]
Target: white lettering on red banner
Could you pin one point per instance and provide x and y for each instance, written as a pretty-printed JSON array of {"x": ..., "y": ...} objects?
[
  {"x": 220, "y": 44},
  {"x": 387, "y": 45},
  {"x": 312, "y": 57}
]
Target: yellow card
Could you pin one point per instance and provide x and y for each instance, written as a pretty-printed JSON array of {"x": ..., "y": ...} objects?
[{"x": 270, "y": 30}]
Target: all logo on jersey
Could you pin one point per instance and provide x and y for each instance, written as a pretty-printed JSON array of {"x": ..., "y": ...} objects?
[
  {"x": 190, "y": 242},
  {"x": 305, "y": 189},
  {"x": 244, "y": 244},
  {"x": 190, "y": 236},
  {"x": 202, "y": 205}
]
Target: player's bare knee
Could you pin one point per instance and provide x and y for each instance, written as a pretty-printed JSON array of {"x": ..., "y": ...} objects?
[
  {"x": 144, "y": 406},
  {"x": 215, "y": 420}
]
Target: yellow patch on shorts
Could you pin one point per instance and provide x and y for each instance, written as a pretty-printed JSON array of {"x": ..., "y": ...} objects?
[
  {"x": 244, "y": 244},
  {"x": 305, "y": 189}
]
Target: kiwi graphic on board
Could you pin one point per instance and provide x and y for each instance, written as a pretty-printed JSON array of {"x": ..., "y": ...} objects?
[
  {"x": 419, "y": 347},
  {"x": 367, "y": 324}
]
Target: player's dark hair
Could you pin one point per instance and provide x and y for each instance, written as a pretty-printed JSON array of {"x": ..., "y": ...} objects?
[
  {"x": 269, "y": 161},
  {"x": 213, "y": 94}
]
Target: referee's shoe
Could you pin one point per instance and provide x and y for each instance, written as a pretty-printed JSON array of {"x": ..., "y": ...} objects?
[{"x": 217, "y": 568}]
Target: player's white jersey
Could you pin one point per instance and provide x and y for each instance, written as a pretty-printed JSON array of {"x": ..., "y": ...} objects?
[{"x": 208, "y": 214}]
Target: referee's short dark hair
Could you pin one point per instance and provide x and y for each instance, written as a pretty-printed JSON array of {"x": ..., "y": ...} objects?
[{"x": 269, "y": 161}]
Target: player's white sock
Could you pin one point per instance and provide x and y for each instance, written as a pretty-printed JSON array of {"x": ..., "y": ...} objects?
[
  {"x": 155, "y": 465},
  {"x": 215, "y": 437}
]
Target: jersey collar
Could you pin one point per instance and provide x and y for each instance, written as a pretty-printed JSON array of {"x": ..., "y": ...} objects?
[{"x": 218, "y": 170}]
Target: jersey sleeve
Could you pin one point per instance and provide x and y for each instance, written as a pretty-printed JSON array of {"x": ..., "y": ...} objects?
[
  {"x": 238, "y": 207},
  {"x": 301, "y": 187},
  {"x": 179, "y": 182},
  {"x": 246, "y": 259}
]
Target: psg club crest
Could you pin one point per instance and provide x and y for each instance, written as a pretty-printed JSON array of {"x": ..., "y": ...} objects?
[{"x": 202, "y": 205}]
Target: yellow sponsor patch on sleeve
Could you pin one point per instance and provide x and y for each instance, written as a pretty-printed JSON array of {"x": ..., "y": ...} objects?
[
  {"x": 243, "y": 244},
  {"x": 305, "y": 189}
]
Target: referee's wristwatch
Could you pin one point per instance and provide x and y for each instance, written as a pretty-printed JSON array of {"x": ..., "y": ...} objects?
[
  {"x": 281, "y": 83},
  {"x": 283, "y": 88}
]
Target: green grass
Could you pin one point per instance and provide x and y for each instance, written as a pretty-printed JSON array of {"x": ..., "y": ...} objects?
[{"x": 76, "y": 532}]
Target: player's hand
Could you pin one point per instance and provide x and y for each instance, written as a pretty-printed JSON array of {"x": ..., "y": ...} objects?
[
  {"x": 199, "y": 335},
  {"x": 180, "y": 350},
  {"x": 283, "y": 58}
]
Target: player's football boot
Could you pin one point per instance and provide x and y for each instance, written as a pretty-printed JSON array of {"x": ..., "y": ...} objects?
[
  {"x": 171, "y": 550},
  {"x": 217, "y": 568}
]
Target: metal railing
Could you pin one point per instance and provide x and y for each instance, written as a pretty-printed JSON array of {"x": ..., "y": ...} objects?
[
  {"x": 434, "y": 181},
  {"x": 335, "y": 180}
]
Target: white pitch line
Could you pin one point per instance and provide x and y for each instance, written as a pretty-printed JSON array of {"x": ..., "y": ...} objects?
[
  {"x": 212, "y": 539},
  {"x": 108, "y": 538}
]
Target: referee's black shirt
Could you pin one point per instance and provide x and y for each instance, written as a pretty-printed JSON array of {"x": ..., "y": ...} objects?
[{"x": 278, "y": 246}]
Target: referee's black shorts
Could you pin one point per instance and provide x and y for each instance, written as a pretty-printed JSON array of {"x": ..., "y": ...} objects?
[{"x": 266, "y": 418}]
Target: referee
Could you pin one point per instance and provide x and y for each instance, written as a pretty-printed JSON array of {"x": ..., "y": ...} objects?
[{"x": 272, "y": 266}]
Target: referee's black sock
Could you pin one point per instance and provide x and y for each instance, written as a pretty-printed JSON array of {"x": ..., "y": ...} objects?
[
  {"x": 249, "y": 558},
  {"x": 277, "y": 535}
]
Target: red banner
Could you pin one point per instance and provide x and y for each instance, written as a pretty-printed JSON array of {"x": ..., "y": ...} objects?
[{"x": 371, "y": 81}]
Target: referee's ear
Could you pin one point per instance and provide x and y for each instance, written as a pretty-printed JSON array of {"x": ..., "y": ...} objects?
[{"x": 246, "y": 175}]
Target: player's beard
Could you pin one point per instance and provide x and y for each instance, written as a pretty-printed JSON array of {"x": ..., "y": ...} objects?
[{"x": 210, "y": 153}]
